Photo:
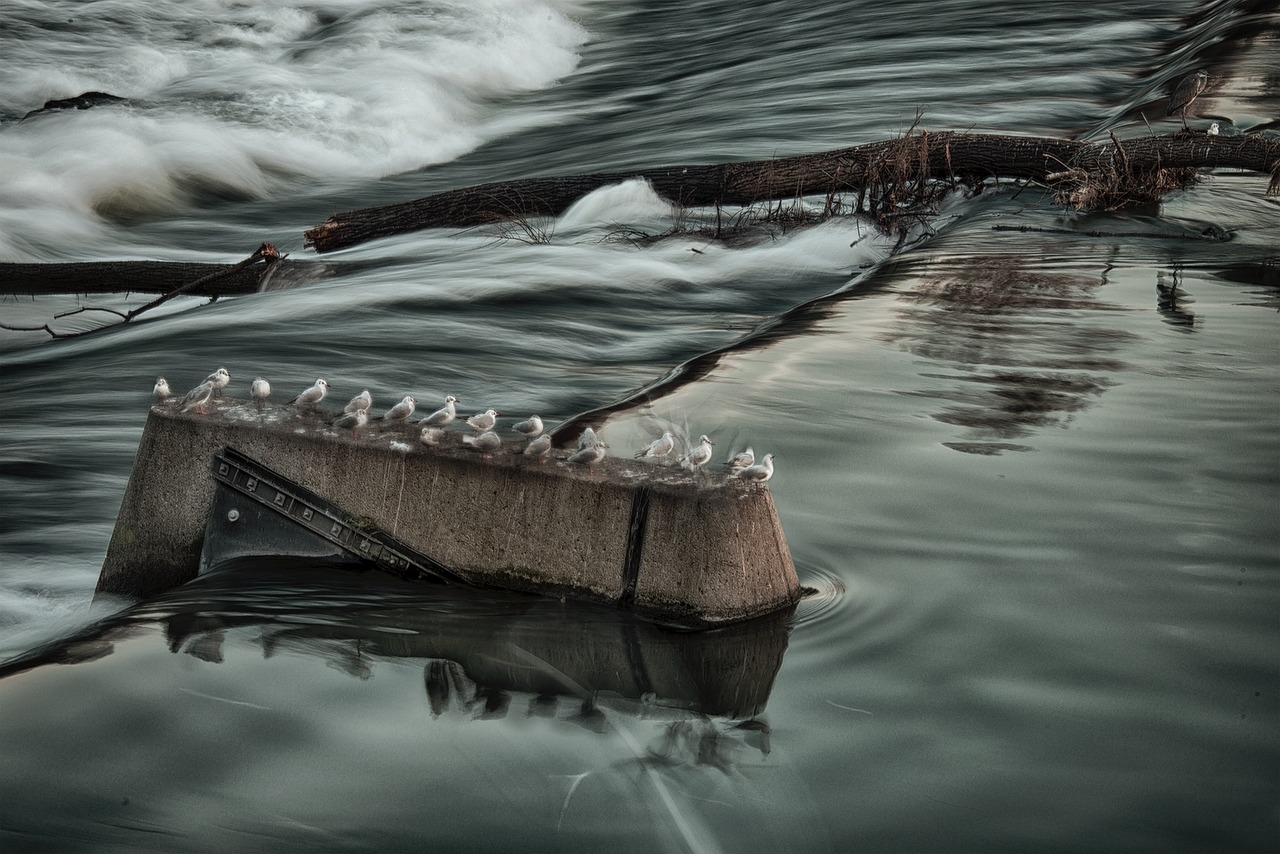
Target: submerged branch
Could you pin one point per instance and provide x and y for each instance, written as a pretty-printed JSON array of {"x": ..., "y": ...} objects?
[{"x": 266, "y": 253}]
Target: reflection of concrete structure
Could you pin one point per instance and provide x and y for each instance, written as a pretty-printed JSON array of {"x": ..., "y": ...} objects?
[
  {"x": 702, "y": 550},
  {"x": 478, "y": 648}
]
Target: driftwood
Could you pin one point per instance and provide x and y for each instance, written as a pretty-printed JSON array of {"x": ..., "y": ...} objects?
[
  {"x": 887, "y": 176},
  {"x": 265, "y": 257},
  {"x": 147, "y": 277}
]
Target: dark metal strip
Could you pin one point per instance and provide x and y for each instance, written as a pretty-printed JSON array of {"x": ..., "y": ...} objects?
[{"x": 326, "y": 520}]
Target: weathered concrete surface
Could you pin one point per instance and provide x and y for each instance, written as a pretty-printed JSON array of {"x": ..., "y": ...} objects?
[{"x": 712, "y": 552}]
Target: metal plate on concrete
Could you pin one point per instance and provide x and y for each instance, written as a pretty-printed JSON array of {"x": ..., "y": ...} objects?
[{"x": 257, "y": 511}]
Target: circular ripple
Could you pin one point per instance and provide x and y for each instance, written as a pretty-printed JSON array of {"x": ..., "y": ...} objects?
[{"x": 823, "y": 595}]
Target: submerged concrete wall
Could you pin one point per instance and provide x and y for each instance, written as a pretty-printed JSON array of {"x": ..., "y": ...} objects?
[{"x": 696, "y": 549}]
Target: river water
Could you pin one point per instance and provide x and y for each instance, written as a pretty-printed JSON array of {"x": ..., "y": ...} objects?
[{"x": 1029, "y": 461}]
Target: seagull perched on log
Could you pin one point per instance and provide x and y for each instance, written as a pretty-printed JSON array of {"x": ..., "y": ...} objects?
[{"x": 1188, "y": 90}]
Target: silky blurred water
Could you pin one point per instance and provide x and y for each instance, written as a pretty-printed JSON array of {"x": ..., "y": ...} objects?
[{"x": 1033, "y": 476}]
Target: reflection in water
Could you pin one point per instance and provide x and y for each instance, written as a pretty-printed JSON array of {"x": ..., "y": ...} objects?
[
  {"x": 1027, "y": 356},
  {"x": 639, "y": 722},
  {"x": 1172, "y": 301},
  {"x": 481, "y": 648}
]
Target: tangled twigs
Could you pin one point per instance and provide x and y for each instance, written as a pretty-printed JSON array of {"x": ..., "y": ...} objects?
[{"x": 267, "y": 253}]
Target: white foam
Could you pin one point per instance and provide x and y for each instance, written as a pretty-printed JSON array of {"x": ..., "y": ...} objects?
[{"x": 237, "y": 99}]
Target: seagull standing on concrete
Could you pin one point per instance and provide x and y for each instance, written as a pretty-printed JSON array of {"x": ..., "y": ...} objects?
[
  {"x": 760, "y": 472},
  {"x": 1188, "y": 90},
  {"x": 587, "y": 439},
  {"x": 402, "y": 410},
  {"x": 312, "y": 396},
  {"x": 197, "y": 397},
  {"x": 444, "y": 415},
  {"x": 738, "y": 462},
  {"x": 431, "y": 436},
  {"x": 484, "y": 421},
  {"x": 220, "y": 378},
  {"x": 261, "y": 390},
  {"x": 487, "y": 441},
  {"x": 352, "y": 421},
  {"x": 700, "y": 454},
  {"x": 590, "y": 455},
  {"x": 1214, "y": 129},
  {"x": 530, "y": 427},
  {"x": 659, "y": 447},
  {"x": 363, "y": 400},
  {"x": 161, "y": 390},
  {"x": 539, "y": 447}
]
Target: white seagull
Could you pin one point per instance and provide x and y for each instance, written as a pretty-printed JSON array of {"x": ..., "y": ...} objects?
[
  {"x": 197, "y": 397},
  {"x": 530, "y": 427},
  {"x": 352, "y": 421},
  {"x": 587, "y": 439},
  {"x": 261, "y": 390},
  {"x": 431, "y": 436},
  {"x": 539, "y": 447},
  {"x": 313, "y": 395},
  {"x": 738, "y": 462},
  {"x": 659, "y": 447},
  {"x": 402, "y": 410},
  {"x": 700, "y": 454},
  {"x": 760, "y": 472},
  {"x": 442, "y": 416},
  {"x": 486, "y": 441},
  {"x": 589, "y": 455},
  {"x": 483, "y": 421},
  {"x": 161, "y": 390},
  {"x": 220, "y": 378},
  {"x": 363, "y": 400}
]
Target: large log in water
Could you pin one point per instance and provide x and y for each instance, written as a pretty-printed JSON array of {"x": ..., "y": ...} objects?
[{"x": 899, "y": 162}]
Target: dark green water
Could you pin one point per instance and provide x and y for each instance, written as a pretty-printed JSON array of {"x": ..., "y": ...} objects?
[{"x": 1034, "y": 476}]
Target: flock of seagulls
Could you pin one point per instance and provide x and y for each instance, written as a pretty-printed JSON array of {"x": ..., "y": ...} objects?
[{"x": 484, "y": 437}]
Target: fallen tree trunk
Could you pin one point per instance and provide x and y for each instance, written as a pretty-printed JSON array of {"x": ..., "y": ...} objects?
[
  {"x": 147, "y": 277},
  {"x": 886, "y": 175},
  {"x": 103, "y": 277},
  {"x": 262, "y": 262}
]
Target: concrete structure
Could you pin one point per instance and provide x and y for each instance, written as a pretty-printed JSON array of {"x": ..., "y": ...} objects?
[{"x": 693, "y": 549}]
